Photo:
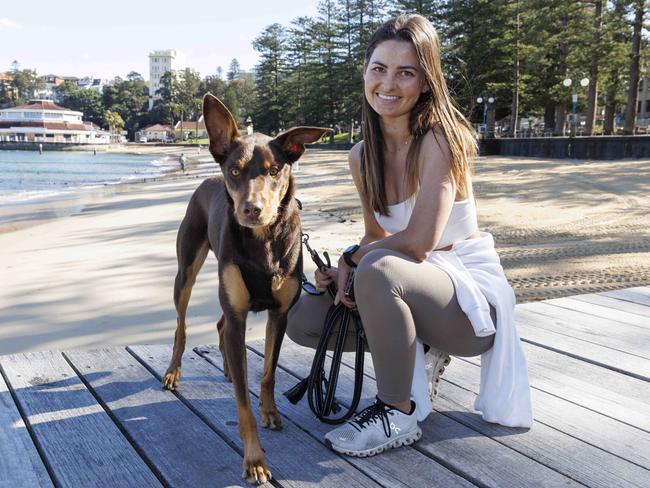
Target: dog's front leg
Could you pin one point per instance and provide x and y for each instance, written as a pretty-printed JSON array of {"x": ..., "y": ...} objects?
[
  {"x": 235, "y": 301},
  {"x": 255, "y": 468},
  {"x": 275, "y": 328}
]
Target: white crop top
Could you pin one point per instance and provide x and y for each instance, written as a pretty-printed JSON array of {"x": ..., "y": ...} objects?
[{"x": 462, "y": 221}]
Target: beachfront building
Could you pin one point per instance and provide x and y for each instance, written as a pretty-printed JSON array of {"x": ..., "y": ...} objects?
[
  {"x": 190, "y": 129},
  {"x": 157, "y": 132},
  {"x": 160, "y": 62},
  {"x": 44, "y": 121}
]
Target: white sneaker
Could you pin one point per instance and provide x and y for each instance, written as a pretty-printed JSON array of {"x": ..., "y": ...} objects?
[
  {"x": 435, "y": 362},
  {"x": 374, "y": 430}
]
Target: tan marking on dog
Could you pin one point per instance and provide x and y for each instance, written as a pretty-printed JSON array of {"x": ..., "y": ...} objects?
[
  {"x": 285, "y": 293},
  {"x": 261, "y": 232},
  {"x": 277, "y": 281},
  {"x": 238, "y": 295}
]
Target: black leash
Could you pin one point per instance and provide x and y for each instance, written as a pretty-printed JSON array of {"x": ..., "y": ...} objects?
[{"x": 319, "y": 386}]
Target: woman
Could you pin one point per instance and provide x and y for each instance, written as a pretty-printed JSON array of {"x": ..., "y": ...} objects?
[{"x": 423, "y": 269}]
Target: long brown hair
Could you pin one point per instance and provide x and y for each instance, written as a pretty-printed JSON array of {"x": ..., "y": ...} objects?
[{"x": 434, "y": 107}]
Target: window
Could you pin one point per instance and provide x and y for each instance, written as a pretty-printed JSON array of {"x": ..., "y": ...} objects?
[
  {"x": 638, "y": 108},
  {"x": 647, "y": 105}
]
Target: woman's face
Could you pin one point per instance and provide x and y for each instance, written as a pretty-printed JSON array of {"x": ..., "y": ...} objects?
[{"x": 393, "y": 79}]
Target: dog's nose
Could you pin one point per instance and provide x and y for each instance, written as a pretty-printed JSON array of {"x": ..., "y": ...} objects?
[{"x": 252, "y": 209}]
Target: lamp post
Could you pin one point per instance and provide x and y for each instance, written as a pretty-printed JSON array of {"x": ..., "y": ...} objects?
[
  {"x": 574, "y": 82},
  {"x": 485, "y": 100}
]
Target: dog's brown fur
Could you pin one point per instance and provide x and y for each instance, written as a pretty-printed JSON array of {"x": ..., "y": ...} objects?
[{"x": 249, "y": 218}]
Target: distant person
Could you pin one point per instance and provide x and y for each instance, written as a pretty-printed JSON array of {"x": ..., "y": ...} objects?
[
  {"x": 181, "y": 161},
  {"x": 40, "y": 149}
]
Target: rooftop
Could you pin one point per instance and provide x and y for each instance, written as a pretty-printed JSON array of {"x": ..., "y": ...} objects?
[
  {"x": 41, "y": 105},
  {"x": 156, "y": 127}
]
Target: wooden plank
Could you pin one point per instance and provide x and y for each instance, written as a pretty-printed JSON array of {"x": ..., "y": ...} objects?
[
  {"x": 582, "y": 423},
  {"x": 613, "y": 315},
  {"x": 296, "y": 458},
  {"x": 531, "y": 329},
  {"x": 616, "y": 304},
  {"x": 184, "y": 450},
  {"x": 639, "y": 295},
  {"x": 612, "y": 394},
  {"x": 546, "y": 444},
  {"x": 81, "y": 444},
  {"x": 478, "y": 458},
  {"x": 606, "y": 332},
  {"x": 20, "y": 464}
]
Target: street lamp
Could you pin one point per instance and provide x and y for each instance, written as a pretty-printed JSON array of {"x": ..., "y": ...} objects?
[
  {"x": 485, "y": 100},
  {"x": 568, "y": 82}
]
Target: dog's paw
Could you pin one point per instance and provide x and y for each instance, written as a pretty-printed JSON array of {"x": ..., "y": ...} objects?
[
  {"x": 255, "y": 470},
  {"x": 270, "y": 419},
  {"x": 171, "y": 379},
  {"x": 226, "y": 372}
]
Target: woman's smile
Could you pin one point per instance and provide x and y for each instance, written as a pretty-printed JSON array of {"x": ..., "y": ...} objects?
[{"x": 388, "y": 98}]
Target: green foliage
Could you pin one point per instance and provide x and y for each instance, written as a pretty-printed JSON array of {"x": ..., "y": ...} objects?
[
  {"x": 83, "y": 100},
  {"x": 24, "y": 83},
  {"x": 270, "y": 73},
  {"x": 114, "y": 121},
  {"x": 129, "y": 98}
]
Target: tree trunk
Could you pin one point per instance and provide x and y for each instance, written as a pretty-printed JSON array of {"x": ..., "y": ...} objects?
[
  {"x": 560, "y": 119},
  {"x": 514, "y": 112},
  {"x": 610, "y": 108},
  {"x": 592, "y": 97},
  {"x": 549, "y": 118},
  {"x": 633, "y": 90}
]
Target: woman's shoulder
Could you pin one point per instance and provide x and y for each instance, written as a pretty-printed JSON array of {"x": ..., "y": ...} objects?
[
  {"x": 354, "y": 156},
  {"x": 355, "y": 152},
  {"x": 434, "y": 145}
]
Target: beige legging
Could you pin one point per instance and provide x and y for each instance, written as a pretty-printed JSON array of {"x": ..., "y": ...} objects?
[{"x": 398, "y": 299}]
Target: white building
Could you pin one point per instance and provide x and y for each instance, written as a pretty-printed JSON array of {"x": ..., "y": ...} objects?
[
  {"x": 44, "y": 121},
  {"x": 160, "y": 62},
  {"x": 50, "y": 82},
  {"x": 90, "y": 83}
]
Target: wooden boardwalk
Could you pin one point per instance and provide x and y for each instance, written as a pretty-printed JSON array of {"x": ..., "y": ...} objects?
[{"x": 100, "y": 418}]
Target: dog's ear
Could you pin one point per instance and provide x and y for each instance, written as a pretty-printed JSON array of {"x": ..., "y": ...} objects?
[
  {"x": 221, "y": 126},
  {"x": 292, "y": 142}
]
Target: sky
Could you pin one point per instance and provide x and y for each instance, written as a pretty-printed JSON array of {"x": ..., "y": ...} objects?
[{"x": 112, "y": 38}]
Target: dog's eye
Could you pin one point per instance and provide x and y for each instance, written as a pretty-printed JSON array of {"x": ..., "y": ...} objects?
[
  {"x": 234, "y": 171},
  {"x": 274, "y": 171}
]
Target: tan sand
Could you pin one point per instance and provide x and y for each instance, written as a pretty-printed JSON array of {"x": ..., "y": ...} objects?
[{"x": 104, "y": 276}]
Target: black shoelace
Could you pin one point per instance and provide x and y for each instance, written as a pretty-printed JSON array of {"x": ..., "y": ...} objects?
[{"x": 377, "y": 411}]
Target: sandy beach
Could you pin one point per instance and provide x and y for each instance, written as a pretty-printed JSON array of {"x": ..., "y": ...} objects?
[{"x": 100, "y": 272}]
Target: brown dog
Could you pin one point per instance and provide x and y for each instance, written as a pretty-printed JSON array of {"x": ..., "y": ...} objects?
[{"x": 249, "y": 218}]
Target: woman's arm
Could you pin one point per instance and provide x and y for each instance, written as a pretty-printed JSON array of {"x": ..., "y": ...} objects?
[{"x": 432, "y": 206}]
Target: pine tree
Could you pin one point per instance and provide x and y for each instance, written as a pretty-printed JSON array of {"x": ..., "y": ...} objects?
[{"x": 269, "y": 113}]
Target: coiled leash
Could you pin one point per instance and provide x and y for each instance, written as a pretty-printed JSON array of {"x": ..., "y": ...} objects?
[{"x": 319, "y": 386}]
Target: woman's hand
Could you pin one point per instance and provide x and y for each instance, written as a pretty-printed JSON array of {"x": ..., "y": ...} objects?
[
  {"x": 325, "y": 277},
  {"x": 343, "y": 276}
]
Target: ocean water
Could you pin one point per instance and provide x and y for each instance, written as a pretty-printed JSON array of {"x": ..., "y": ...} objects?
[{"x": 27, "y": 175}]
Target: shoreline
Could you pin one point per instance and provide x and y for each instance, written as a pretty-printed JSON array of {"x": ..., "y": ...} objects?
[{"x": 21, "y": 214}]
